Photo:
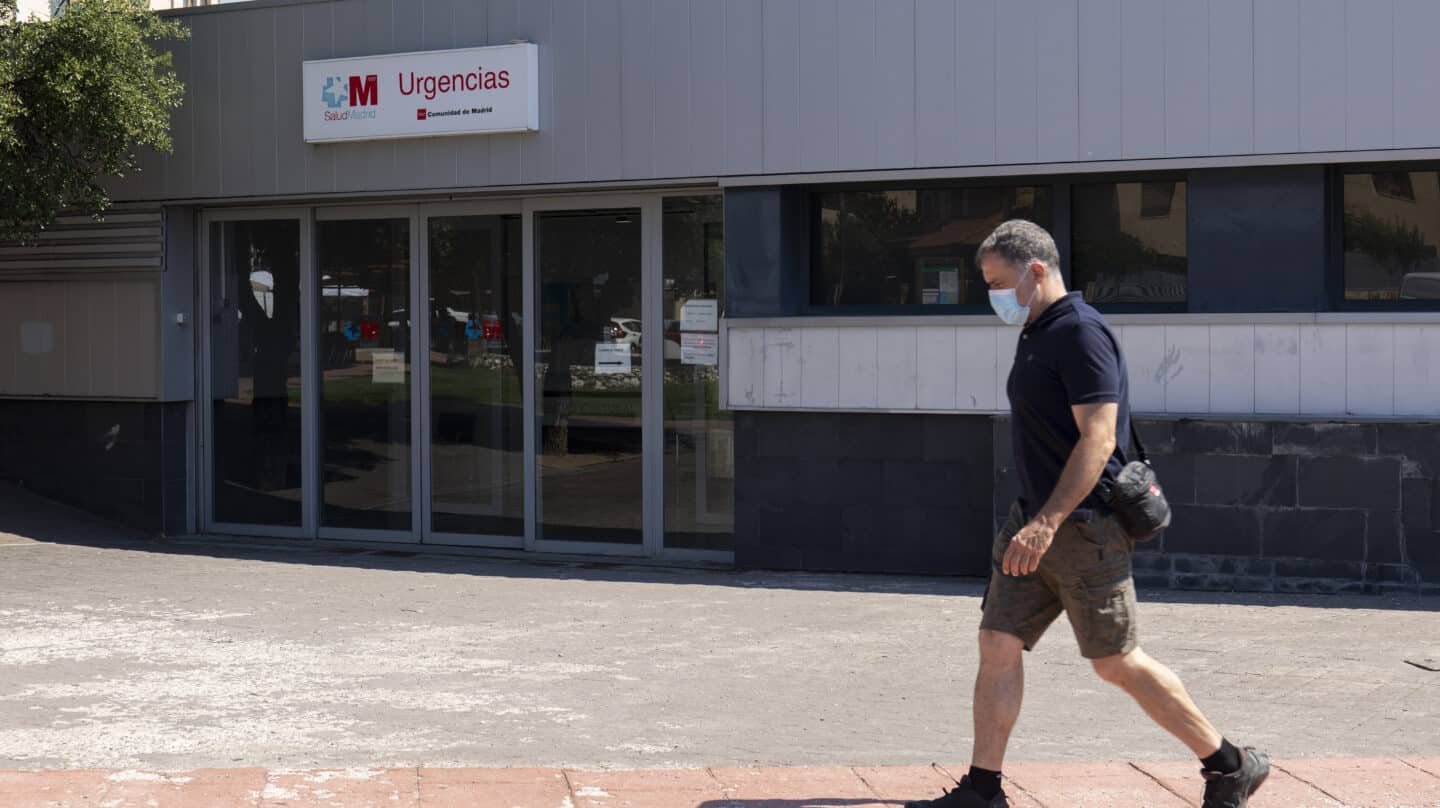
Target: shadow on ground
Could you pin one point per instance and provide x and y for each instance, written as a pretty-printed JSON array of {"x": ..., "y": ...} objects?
[{"x": 27, "y": 516}]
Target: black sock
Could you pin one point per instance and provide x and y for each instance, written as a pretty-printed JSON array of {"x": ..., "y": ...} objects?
[
  {"x": 986, "y": 782},
  {"x": 1225, "y": 761}
]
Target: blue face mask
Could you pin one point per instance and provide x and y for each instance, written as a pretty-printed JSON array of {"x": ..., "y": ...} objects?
[{"x": 1007, "y": 305}]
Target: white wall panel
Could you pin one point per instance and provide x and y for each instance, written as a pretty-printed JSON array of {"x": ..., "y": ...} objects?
[
  {"x": 1277, "y": 76},
  {"x": 1016, "y": 85},
  {"x": 895, "y": 76},
  {"x": 1142, "y": 80},
  {"x": 936, "y": 367},
  {"x": 936, "y": 82},
  {"x": 1005, "y": 345},
  {"x": 1187, "y": 77},
  {"x": 1417, "y": 73},
  {"x": 1322, "y": 369},
  {"x": 1322, "y": 75},
  {"x": 896, "y": 361},
  {"x": 1144, "y": 347},
  {"x": 1187, "y": 386},
  {"x": 1232, "y": 369},
  {"x": 745, "y": 71},
  {"x": 708, "y": 85},
  {"x": 1417, "y": 370},
  {"x": 745, "y": 376},
  {"x": 781, "y": 33},
  {"x": 1369, "y": 74},
  {"x": 782, "y": 367},
  {"x": 1227, "y": 369},
  {"x": 857, "y": 74},
  {"x": 859, "y": 375},
  {"x": 1370, "y": 369},
  {"x": 820, "y": 367},
  {"x": 1277, "y": 369},
  {"x": 819, "y": 87},
  {"x": 1232, "y": 77},
  {"x": 1057, "y": 80},
  {"x": 1101, "y": 68}
]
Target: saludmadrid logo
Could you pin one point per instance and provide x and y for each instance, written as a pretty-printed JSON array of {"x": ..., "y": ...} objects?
[{"x": 350, "y": 98}]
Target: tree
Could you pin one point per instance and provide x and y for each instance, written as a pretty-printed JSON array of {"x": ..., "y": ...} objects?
[{"x": 78, "y": 95}]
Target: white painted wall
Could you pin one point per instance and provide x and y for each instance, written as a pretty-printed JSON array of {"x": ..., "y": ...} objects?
[
  {"x": 1315, "y": 365},
  {"x": 35, "y": 8}
]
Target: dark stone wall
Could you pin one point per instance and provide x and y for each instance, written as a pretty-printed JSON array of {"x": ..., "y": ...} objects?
[
  {"x": 1258, "y": 506},
  {"x": 1290, "y": 507},
  {"x": 120, "y": 460},
  {"x": 863, "y": 493}
]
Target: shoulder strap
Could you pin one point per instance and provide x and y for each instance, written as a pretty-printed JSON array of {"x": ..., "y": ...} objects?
[
  {"x": 1135, "y": 441},
  {"x": 1134, "y": 433}
]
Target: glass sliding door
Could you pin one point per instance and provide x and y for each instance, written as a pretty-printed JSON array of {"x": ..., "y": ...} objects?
[
  {"x": 699, "y": 443},
  {"x": 590, "y": 470},
  {"x": 476, "y": 357},
  {"x": 366, "y": 374},
  {"x": 255, "y": 448}
]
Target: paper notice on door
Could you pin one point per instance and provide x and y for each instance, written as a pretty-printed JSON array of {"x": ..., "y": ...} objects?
[
  {"x": 387, "y": 367},
  {"x": 699, "y": 349},
  {"x": 612, "y": 357},
  {"x": 700, "y": 315}
]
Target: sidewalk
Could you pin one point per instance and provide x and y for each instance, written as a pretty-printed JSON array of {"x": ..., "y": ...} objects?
[{"x": 1312, "y": 783}]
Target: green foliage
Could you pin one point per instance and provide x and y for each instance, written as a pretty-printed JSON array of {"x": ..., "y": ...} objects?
[
  {"x": 1391, "y": 242},
  {"x": 78, "y": 95}
]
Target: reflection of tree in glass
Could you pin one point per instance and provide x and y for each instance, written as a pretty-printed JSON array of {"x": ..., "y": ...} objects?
[
  {"x": 1395, "y": 245},
  {"x": 867, "y": 236},
  {"x": 589, "y": 265}
]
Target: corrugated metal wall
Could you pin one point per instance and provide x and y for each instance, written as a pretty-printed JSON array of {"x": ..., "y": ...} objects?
[{"x": 644, "y": 89}]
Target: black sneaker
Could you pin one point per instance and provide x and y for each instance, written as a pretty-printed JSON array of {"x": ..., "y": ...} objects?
[
  {"x": 1233, "y": 789},
  {"x": 963, "y": 795}
]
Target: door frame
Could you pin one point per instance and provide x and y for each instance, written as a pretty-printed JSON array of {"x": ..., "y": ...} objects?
[
  {"x": 205, "y": 445},
  {"x": 652, "y": 509},
  {"x": 485, "y": 207}
]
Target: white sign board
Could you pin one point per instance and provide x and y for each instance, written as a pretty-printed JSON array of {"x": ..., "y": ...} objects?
[
  {"x": 388, "y": 367},
  {"x": 612, "y": 357},
  {"x": 699, "y": 349},
  {"x": 468, "y": 91},
  {"x": 700, "y": 315}
]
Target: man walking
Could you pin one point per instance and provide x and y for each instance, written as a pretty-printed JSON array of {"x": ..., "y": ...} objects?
[{"x": 1060, "y": 549}]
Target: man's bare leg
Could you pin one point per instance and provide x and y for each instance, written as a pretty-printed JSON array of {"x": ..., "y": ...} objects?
[
  {"x": 1163, "y": 697},
  {"x": 999, "y": 690}
]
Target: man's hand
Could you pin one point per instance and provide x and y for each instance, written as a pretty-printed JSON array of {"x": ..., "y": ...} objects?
[{"x": 1023, "y": 555}]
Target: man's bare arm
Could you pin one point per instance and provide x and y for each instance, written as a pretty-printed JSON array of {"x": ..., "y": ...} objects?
[{"x": 1082, "y": 471}]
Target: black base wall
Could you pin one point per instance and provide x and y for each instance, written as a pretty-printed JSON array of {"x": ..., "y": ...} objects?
[
  {"x": 863, "y": 493},
  {"x": 1259, "y": 506},
  {"x": 120, "y": 460}
]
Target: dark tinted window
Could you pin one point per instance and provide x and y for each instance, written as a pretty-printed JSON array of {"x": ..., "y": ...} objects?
[
  {"x": 1128, "y": 242},
  {"x": 907, "y": 247},
  {"x": 1392, "y": 229}
]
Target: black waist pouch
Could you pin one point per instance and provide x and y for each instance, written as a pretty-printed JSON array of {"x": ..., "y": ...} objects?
[{"x": 1135, "y": 497}]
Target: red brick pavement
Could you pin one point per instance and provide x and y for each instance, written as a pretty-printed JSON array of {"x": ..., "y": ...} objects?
[{"x": 1311, "y": 783}]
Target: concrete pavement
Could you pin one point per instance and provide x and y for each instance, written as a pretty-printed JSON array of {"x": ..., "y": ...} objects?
[
  {"x": 1374, "y": 783},
  {"x": 121, "y": 653}
]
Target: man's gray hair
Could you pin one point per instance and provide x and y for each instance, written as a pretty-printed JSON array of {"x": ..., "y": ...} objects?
[{"x": 1019, "y": 242}]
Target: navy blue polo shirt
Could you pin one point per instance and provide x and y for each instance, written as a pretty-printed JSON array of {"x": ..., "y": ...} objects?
[{"x": 1065, "y": 357}]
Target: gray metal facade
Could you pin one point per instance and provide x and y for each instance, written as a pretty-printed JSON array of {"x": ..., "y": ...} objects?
[{"x": 639, "y": 90}]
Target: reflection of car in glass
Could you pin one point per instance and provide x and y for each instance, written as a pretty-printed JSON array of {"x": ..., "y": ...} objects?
[
  {"x": 1420, "y": 286},
  {"x": 623, "y": 329}
]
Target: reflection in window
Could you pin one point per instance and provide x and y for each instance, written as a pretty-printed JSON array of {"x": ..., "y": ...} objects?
[
  {"x": 908, "y": 247},
  {"x": 699, "y": 435},
  {"x": 255, "y": 371},
  {"x": 476, "y": 423},
  {"x": 365, "y": 362},
  {"x": 1129, "y": 242},
  {"x": 1392, "y": 229}
]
